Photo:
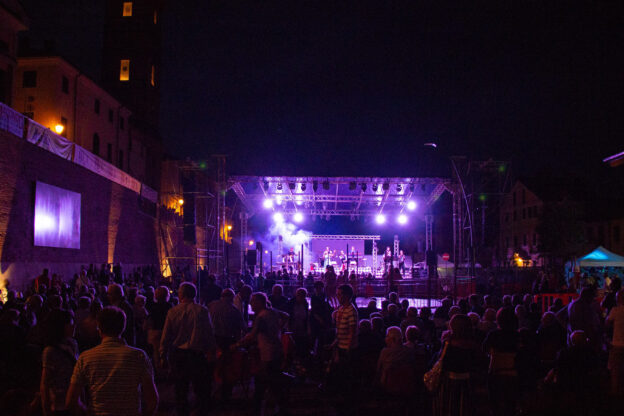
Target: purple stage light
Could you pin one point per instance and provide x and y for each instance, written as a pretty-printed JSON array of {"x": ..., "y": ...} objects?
[
  {"x": 380, "y": 219},
  {"x": 278, "y": 217},
  {"x": 411, "y": 205},
  {"x": 268, "y": 203},
  {"x": 402, "y": 219},
  {"x": 298, "y": 217}
]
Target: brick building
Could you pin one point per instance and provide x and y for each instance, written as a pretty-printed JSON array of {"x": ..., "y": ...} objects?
[{"x": 12, "y": 21}]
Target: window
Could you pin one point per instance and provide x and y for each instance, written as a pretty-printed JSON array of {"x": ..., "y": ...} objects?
[
  {"x": 127, "y": 9},
  {"x": 110, "y": 115},
  {"x": 155, "y": 16},
  {"x": 65, "y": 85},
  {"x": 121, "y": 123},
  {"x": 120, "y": 160},
  {"x": 96, "y": 106},
  {"x": 96, "y": 144},
  {"x": 124, "y": 71},
  {"x": 153, "y": 76},
  {"x": 29, "y": 79},
  {"x": 109, "y": 152}
]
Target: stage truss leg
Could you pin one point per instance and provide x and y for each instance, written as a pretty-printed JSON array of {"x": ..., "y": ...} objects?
[
  {"x": 243, "y": 240},
  {"x": 374, "y": 259}
]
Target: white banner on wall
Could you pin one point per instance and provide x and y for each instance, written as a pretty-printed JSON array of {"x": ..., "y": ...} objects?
[
  {"x": 90, "y": 161},
  {"x": 11, "y": 121},
  {"x": 43, "y": 137}
]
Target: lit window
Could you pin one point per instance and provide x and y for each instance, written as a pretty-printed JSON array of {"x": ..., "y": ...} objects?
[
  {"x": 155, "y": 16},
  {"x": 124, "y": 72},
  {"x": 127, "y": 9},
  {"x": 153, "y": 76}
]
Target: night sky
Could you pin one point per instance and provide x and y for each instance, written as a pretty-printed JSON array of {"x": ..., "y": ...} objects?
[
  {"x": 357, "y": 87},
  {"x": 327, "y": 87}
]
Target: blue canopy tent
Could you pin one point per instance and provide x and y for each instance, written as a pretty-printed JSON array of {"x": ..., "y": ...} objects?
[{"x": 596, "y": 264}]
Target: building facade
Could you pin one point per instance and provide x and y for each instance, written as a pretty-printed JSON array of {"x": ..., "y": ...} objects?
[
  {"x": 55, "y": 94},
  {"x": 12, "y": 21}
]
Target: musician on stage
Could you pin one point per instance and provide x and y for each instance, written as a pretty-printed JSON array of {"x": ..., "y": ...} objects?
[
  {"x": 387, "y": 260},
  {"x": 342, "y": 260},
  {"x": 402, "y": 262},
  {"x": 326, "y": 256}
]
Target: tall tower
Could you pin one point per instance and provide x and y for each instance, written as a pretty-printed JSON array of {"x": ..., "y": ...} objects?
[{"x": 132, "y": 56}]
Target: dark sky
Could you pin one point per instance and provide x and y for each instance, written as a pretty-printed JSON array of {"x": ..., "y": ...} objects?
[{"x": 356, "y": 87}]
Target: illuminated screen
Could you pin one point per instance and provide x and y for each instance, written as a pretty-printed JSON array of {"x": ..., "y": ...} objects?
[{"x": 57, "y": 217}]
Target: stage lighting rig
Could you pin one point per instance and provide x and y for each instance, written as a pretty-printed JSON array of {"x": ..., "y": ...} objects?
[
  {"x": 303, "y": 187},
  {"x": 291, "y": 186},
  {"x": 385, "y": 186},
  {"x": 363, "y": 187},
  {"x": 315, "y": 186},
  {"x": 411, "y": 187},
  {"x": 278, "y": 217},
  {"x": 411, "y": 205},
  {"x": 380, "y": 219},
  {"x": 298, "y": 217},
  {"x": 268, "y": 203},
  {"x": 326, "y": 185},
  {"x": 375, "y": 187},
  {"x": 402, "y": 219},
  {"x": 265, "y": 185},
  {"x": 399, "y": 188}
]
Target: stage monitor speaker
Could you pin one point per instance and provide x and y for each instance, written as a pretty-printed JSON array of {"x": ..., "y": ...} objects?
[
  {"x": 251, "y": 257},
  {"x": 368, "y": 247},
  {"x": 432, "y": 258}
]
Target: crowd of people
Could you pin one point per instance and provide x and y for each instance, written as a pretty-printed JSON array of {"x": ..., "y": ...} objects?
[{"x": 106, "y": 342}]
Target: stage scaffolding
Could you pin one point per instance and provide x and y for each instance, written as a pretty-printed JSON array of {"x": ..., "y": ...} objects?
[{"x": 324, "y": 197}]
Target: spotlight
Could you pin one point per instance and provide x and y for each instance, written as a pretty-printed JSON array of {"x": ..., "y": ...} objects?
[
  {"x": 251, "y": 243},
  {"x": 266, "y": 251},
  {"x": 399, "y": 187},
  {"x": 375, "y": 187},
  {"x": 292, "y": 185},
  {"x": 59, "y": 128},
  {"x": 229, "y": 228},
  {"x": 411, "y": 205},
  {"x": 315, "y": 186},
  {"x": 278, "y": 199},
  {"x": 402, "y": 219},
  {"x": 181, "y": 201},
  {"x": 386, "y": 186},
  {"x": 363, "y": 187},
  {"x": 303, "y": 187},
  {"x": 352, "y": 186},
  {"x": 279, "y": 186},
  {"x": 326, "y": 185},
  {"x": 298, "y": 217},
  {"x": 380, "y": 219},
  {"x": 278, "y": 217},
  {"x": 299, "y": 200},
  {"x": 268, "y": 203}
]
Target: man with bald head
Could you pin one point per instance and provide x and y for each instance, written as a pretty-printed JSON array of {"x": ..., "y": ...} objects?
[{"x": 116, "y": 298}]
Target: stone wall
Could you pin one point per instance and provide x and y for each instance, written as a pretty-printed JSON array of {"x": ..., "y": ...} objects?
[{"x": 113, "y": 228}]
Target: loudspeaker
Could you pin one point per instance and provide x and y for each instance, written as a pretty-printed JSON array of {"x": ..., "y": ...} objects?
[
  {"x": 251, "y": 257},
  {"x": 368, "y": 247},
  {"x": 432, "y": 258},
  {"x": 188, "y": 209}
]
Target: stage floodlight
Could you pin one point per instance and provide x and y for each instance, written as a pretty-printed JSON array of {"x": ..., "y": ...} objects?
[
  {"x": 251, "y": 243},
  {"x": 279, "y": 186},
  {"x": 380, "y": 219},
  {"x": 363, "y": 187},
  {"x": 402, "y": 219},
  {"x": 278, "y": 217},
  {"x": 326, "y": 185},
  {"x": 268, "y": 203},
  {"x": 298, "y": 217},
  {"x": 299, "y": 200},
  {"x": 278, "y": 200},
  {"x": 303, "y": 187},
  {"x": 411, "y": 205},
  {"x": 352, "y": 186},
  {"x": 292, "y": 185},
  {"x": 375, "y": 187},
  {"x": 315, "y": 186},
  {"x": 385, "y": 186},
  {"x": 399, "y": 187}
]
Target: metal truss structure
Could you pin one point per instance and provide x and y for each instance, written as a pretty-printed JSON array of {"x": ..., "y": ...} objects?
[
  {"x": 345, "y": 237},
  {"x": 336, "y": 196}
]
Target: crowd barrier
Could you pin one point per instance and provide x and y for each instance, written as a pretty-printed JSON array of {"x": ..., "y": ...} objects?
[{"x": 545, "y": 300}]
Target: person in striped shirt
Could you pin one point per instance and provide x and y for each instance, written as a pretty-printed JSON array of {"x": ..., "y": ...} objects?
[{"x": 117, "y": 377}]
